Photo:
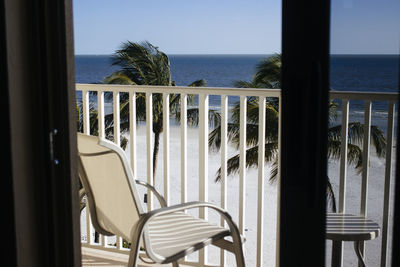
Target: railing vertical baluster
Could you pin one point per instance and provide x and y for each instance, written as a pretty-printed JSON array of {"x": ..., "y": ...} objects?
[
  {"x": 337, "y": 246},
  {"x": 132, "y": 131},
  {"x": 100, "y": 107},
  {"x": 149, "y": 142},
  {"x": 388, "y": 176},
  {"x": 103, "y": 241},
  {"x": 85, "y": 112},
  {"x": 343, "y": 155},
  {"x": 203, "y": 164},
  {"x": 242, "y": 163},
  {"x": 183, "y": 148},
  {"x": 183, "y": 118},
  {"x": 117, "y": 130},
  {"x": 101, "y": 128},
  {"x": 166, "y": 98},
  {"x": 224, "y": 148},
  {"x": 118, "y": 242},
  {"x": 117, "y": 138},
  {"x": 365, "y": 164},
  {"x": 261, "y": 176}
]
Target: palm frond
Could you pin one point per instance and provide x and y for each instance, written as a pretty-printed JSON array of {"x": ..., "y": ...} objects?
[
  {"x": 272, "y": 122},
  {"x": 268, "y": 75},
  {"x": 143, "y": 63},
  {"x": 118, "y": 78},
  {"x": 354, "y": 152},
  {"x": 274, "y": 171},
  {"x": 329, "y": 192},
  {"x": 244, "y": 84},
  {"x": 198, "y": 83},
  {"x": 356, "y": 136},
  {"x": 332, "y": 116},
  {"x": 378, "y": 140},
  {"x": 268, "y": 72},
  {"x": 251, "y": 159}
]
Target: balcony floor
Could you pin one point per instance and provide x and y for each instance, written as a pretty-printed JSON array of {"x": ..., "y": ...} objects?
[{"x": 95, "y": 257}]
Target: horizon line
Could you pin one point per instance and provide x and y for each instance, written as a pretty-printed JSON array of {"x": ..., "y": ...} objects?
[{"x": 250, "y": 54}]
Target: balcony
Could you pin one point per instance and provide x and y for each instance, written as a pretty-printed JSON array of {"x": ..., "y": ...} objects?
[{"x": 186, "y": 165}]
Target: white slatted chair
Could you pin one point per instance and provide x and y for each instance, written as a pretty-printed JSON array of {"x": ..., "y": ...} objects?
[{"x": 168, "y": 233}]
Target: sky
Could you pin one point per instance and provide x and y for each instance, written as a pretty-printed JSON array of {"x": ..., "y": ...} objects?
[{"x": 227, "y": 26}]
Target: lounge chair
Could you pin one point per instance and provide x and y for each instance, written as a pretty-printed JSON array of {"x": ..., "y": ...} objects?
[{"x": 167, "y": 234}]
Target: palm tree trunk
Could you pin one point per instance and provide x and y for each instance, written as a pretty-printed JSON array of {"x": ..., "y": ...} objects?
[
  {"x": 155, "y": 154},
  {"x": 331, "y": 195}
]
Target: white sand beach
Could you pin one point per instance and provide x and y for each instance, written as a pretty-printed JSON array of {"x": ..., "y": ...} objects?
[{"x": 375, "y": 197}]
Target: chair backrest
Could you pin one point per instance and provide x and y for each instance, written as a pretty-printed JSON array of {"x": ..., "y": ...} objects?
[{"x": 106, "y": 175}]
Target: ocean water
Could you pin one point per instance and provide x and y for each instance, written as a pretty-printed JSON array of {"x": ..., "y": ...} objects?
[
  {"x": 348, "y": 72},
  {"x": 370, "y": 73},
  {"x": 217, "y": 70}
]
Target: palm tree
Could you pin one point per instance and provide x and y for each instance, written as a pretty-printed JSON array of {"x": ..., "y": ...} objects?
[
  {"x": 268, "y": 76},
  {"x": 144, "y": 64}
]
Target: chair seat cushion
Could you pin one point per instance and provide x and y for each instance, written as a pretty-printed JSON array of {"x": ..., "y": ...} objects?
[{"x": 178, "y": 234}]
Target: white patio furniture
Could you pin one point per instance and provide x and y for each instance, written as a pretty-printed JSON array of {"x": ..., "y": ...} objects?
[
  {"x": 347, "y": 227},
  {"x": 167, "y": 234}
]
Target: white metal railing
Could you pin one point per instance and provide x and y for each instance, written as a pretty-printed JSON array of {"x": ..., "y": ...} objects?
[
  {"x": 368, "y": 98},
  {"x": 203, "y": 127},
  {"x": 203, "y": 106}
]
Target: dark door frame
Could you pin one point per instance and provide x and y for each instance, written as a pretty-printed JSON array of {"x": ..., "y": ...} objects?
[
  {"x": 39, "y": 102},
  {"x": 305, "y": 96},
  {"x": 305, "y": 80},
  {"x": 7, "y": 172},
  {"x": 396, "y": 216}
]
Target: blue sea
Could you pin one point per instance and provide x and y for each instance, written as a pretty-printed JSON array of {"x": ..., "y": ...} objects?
[
  {"x": 348, "y": 72},
  {"x": 371, "y": 73}
]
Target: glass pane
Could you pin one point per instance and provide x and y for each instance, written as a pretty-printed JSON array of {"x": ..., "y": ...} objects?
[
  {"x": 216, "y": 45},
  {"x": 364, "y": 59}
]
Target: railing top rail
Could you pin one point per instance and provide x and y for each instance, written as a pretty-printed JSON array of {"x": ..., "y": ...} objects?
[
  {"x": 349, "y": 95},
  {"x": 180, "y": 89},
  {"x": 373, "y": 96}
]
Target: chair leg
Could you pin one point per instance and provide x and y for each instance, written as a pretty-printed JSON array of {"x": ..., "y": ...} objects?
[
  {"x": 133, "y": 254},
  {"x": 132, "y": 259},
  {"x": 175, "y": 264},
  {"x": 239, "y": 256},
  {"x": 238, "y": 249}
]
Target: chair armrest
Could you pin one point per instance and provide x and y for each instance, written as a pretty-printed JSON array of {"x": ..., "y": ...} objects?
[
  {"x": 186, "y": 206},
  {"x": 145, "y": 218},
  {"x": 160, "y": 198}
]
